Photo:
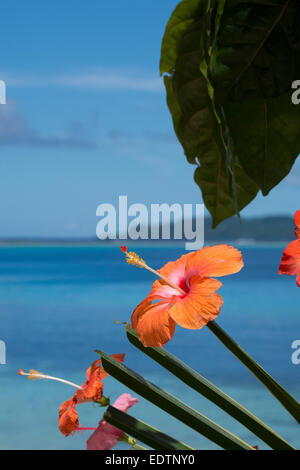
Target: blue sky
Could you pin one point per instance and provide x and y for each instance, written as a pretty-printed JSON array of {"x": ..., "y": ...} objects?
[{"x": 86, "y": 118}]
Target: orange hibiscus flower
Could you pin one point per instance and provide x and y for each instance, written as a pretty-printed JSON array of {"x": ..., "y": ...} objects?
[
  {"x": 91, "y": 390},
  {"x": 185, "y": 293},
  {"x": 297, "y": 223},
  {"x": 290, "y": 261}
]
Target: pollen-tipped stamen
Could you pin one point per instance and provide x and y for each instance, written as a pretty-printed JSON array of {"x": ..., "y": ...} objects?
[
  {"x": 134, "y": 259},
  {"x": 35, "y": 375}
]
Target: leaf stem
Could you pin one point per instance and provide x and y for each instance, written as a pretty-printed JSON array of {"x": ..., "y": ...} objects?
[
  {"x": 203, "y": 386},
  {"x": 142, "y": 432},
  {"x": 172, "y": 405},
  {"x": 287, "y": 401}
]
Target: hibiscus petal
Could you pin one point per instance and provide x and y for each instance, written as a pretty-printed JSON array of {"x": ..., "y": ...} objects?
[
  {"x": 67, "y": 417},
  {"x": 91, "y": 390},
  {"x": 97, "y": 364},
  {"x": 214, "y": 261},
  {"x": 297, "y": 223},
  {"x": 290, "y": 262},
  {"x": 200, "y": 306},
  {"x": 204, "y": 286},
  {"x": 92, "y": 368},
  {"x": 102, "y": 438},
  {"x": 106, "y": 435},
  {"x": 175, "y": 272},
  {"x": 162, "y": 290},
  {"x": 152, "y": 323},
  {"x": 125, "y": 402}
]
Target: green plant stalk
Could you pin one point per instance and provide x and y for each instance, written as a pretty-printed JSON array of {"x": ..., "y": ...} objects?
[
  {"x": 289, "y": 402},
  {"x": 172, "y": 405},
  {"x": 143, "y": 432},
  {"x": 137, "y": 447},
  {"x": 211, "y": 392}
]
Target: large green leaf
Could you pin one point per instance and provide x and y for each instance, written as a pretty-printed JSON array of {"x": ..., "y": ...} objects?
[
  {"x": 200, "y": 131},
  {"x": 258, "y": 57},
  {"x": 216, "y": 184},
  {"x": 258, "y": 49},
  {"x": 188, "y": 98},
  {"x": 182, "y": 17},
  {"x": 271, "y": 129},
  {"x": 217, "y": 56}
]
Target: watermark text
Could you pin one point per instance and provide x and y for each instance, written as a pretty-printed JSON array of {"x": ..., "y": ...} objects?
[
  {"x": 296, "y": 354},
  {"x": 2, "y": 352},
  {"x": 161, "y": 222},
  {"x": 2, "y": 92}
]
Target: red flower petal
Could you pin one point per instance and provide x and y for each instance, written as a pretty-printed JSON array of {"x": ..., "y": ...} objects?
[{"x": 290, "y": 262}]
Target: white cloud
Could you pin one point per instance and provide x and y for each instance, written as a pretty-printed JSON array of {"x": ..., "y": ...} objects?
[{"x": 99, "y": 79}]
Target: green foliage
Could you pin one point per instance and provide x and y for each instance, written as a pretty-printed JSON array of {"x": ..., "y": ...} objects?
[
  {"x": 211, "y": 392},
  {"x": 228, "y": 68},
  {"x": 172, "y": 405},
  {"x": 289, "y": 402},
  {"x": 270, "y": 127},
  {"x": 258, "y": 49},
  {"x": 142, "y": 432},
  {"x": 184, "y": 413}
]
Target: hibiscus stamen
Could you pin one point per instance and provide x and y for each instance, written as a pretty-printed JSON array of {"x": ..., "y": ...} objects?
[
  {"x": 134, "y": 259},
  {"x": 35, "y": 375}
]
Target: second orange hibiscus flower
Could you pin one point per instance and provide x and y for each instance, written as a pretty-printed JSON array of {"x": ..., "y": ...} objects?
[
  {"x": 91, "y": 391},
  {"x": 185, "y": 293},
  {"x": 290, "y": 262}
]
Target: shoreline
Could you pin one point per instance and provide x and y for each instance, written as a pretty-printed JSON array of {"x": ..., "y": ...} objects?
[{"x": 140, "y": 243}]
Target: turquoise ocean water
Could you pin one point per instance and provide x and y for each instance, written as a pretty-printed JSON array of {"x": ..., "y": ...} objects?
[{"x": 58, "y": 303}]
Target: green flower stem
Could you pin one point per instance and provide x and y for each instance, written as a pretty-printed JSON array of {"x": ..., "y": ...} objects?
[
  {"x": 132, "y": 442},
  {"x": 138, "y": 447},
  {"x": 211, "y": 392},
  {"x": 172, "y": 405},
  {"x": 289, "y": 402},
  {"x": 142, "y": 432}
]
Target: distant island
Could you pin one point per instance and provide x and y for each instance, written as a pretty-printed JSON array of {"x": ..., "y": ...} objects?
[
  {"x": 247, "y": 231},
  {"x": 260, "y": 229}
]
